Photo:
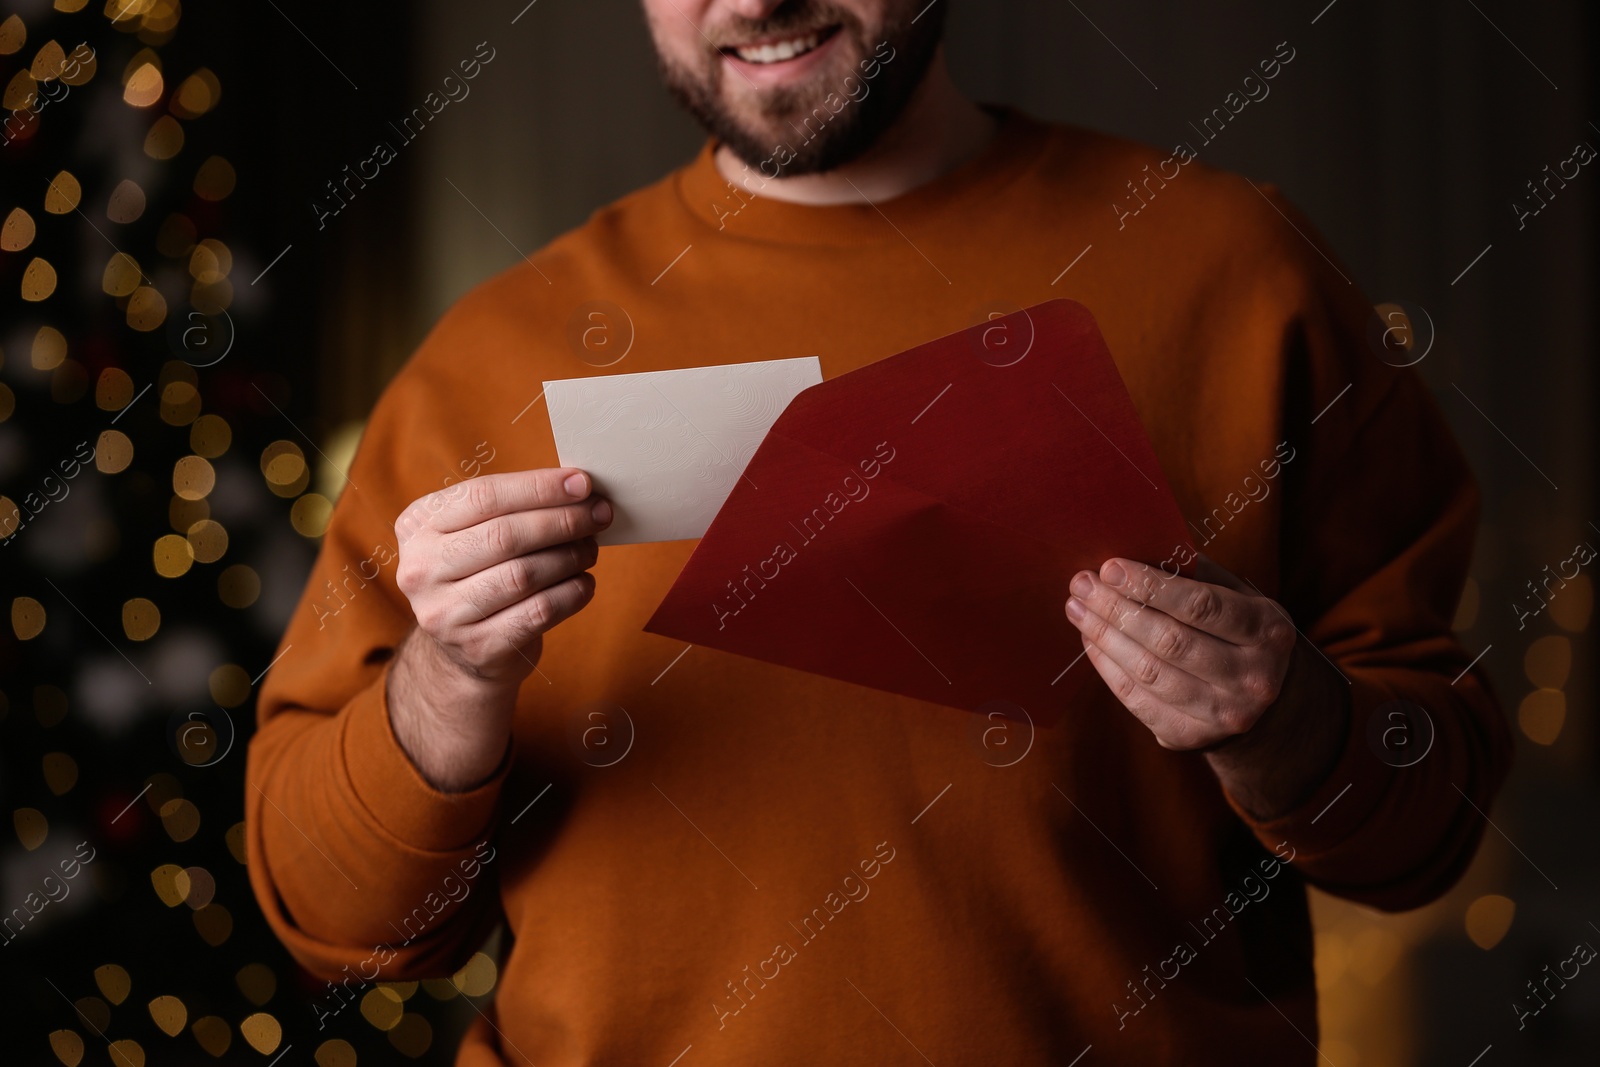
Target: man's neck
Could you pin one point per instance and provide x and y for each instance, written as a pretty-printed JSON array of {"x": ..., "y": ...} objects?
[{"x": 938, "y": 131}]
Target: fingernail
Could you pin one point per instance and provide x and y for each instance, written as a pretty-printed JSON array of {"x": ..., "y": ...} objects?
[
  {"x": 1075, "y": 609},
  {"x": 576, "y": 485},
  {"x": 602, "y": 512},
  {"x": 1113, "y": 574},
  {"x": 1082, "y": 584}
]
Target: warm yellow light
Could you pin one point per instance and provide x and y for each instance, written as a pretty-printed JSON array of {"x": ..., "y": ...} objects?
[
  {"x": 412, "y": 1035},
  {"x": 1489, "y": 918},
  {"x": 113, "y": 452},
  {"x": 127, "y": 202},
  {"x": 38, "y": 280},
  {"x": 198, "y": 94},
  {"x": 60, "y": 772},
  {"x": 193, "y": 477},
  {"x": 113, "y": 981},
  {"x": 209, "y": 540},
  {"x": 48, "y": 61},
  {"x": 144, "y": 86},
  {"x": 262, "y": 1031},
  {"x": 27, "y": 618},
  {"x": 210, "y": 436},
  {"x": 213, "y": 1034},
  {"x": 49, "y": 348},
  {"x": 214, "y": 923},
  {"x": 310, "y": 514},
  {"x": 31, "y": 826},
  {"x": 66, "y": 1044},
  {"x": 62, "y": 194},
  {"x": 171, "y": 884},
  {"x": 21, "y": 92},
  {"x": 1548, "y": 661},
  {"x": 140, "y": 619},
  {"x": 1573, "y": 606},
  {"x": 122, "y": 275},
  {"x": 81, "y": 65},
  {"x": 181, "y": 820},
  {"x": 477, "y": 978},
  {"x": 169, "y": 1014},
  {"x": 18, "y": 231},
  {"x": 147, "y": 309},
  {"x": 336, "y": 1052},
  {"x": 230, "y": 685},
  {"x": 126, "y": 1052},
  {"x": 257, "y": 982},
  {"x": 180, "y": 403},
  {"x": 381, "y": 1007},
  {"x": 165, "y": 138},
  {"x": 1541, "y": 715},
  {"x": 172, "y": 555},
  {"x": 13, "y": 35},
  {"x": 239, "y": 586},
  {"x": 284, "y": 467}
]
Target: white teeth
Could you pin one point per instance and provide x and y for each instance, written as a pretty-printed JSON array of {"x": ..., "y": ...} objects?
[{"x": 777, "y": 53}]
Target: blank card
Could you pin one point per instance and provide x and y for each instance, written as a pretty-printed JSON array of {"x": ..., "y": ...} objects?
[{"x": 666, "y": 447}]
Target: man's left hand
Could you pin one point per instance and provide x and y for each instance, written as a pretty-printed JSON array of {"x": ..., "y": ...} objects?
[
  {"x": 1210, "y": 663},
  {"x": 1198, "y": 661}
]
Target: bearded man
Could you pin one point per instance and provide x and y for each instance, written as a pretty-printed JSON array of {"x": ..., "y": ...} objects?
[{"x": 769, "y": 866}]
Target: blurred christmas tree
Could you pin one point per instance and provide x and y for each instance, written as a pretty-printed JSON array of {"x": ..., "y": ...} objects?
[{"x": 157, "y": 514}]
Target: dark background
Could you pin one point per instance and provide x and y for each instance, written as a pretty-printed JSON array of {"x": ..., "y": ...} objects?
[{"x": 1405, "y": 132}]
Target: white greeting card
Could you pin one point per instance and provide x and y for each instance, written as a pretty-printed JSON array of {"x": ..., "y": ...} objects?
[{"x": 665, "y": 447}]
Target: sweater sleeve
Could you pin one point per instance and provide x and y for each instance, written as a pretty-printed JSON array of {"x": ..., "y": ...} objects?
[
  {"x": 1376, "y": 538},
  {"x": 360, "y": 865}
]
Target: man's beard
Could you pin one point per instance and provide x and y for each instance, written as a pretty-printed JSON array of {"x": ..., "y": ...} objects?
[{"x": 802, "y": 135}]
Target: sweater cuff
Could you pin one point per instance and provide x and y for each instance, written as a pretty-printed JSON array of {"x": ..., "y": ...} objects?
[
  {"x": 393, "y": 792},
  {"x": 1350, "y": 795}
]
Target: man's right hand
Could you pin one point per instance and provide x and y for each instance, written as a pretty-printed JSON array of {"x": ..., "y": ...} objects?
[{"x": 488, "y": 565}]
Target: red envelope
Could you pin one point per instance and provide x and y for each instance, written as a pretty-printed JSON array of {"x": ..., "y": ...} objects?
[{"x": 913, "y": 525}]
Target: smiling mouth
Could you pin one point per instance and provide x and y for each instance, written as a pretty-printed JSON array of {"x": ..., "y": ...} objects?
[{"x": 781, "y": 50}]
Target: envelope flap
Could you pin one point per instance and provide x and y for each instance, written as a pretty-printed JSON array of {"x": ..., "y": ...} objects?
[{"x": 1044, "y": 457}]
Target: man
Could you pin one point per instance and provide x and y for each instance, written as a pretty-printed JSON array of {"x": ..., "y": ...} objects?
[{"x": 706, "y": 859}]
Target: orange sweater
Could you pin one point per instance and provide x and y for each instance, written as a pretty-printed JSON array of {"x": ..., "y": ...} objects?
[{"x": 692, "y": 850}]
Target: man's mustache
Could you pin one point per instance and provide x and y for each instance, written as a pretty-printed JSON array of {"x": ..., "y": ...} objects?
[{"x": 794, "y": 20}]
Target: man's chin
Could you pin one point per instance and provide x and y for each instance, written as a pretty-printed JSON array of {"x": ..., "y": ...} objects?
[
  {"x": 803, "y": 132},
  {"x": 796, "y": 150}
]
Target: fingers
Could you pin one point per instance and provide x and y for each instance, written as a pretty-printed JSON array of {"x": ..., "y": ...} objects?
[
  {"x": 1206, "y": 657},
  {"x": 505, "y": 537},
  {"x": 528, "y": 618},
  {"x": 1101, "y": 616},
  {"x": 477, "y": 500},
  {"x": 1201, "y": 667},
  {"x": 489, "y": 564},
  {"x": 513, "y": 580},
  {"x": 1172, "y": 728},
  {"x": 1222, "y": 612}
]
